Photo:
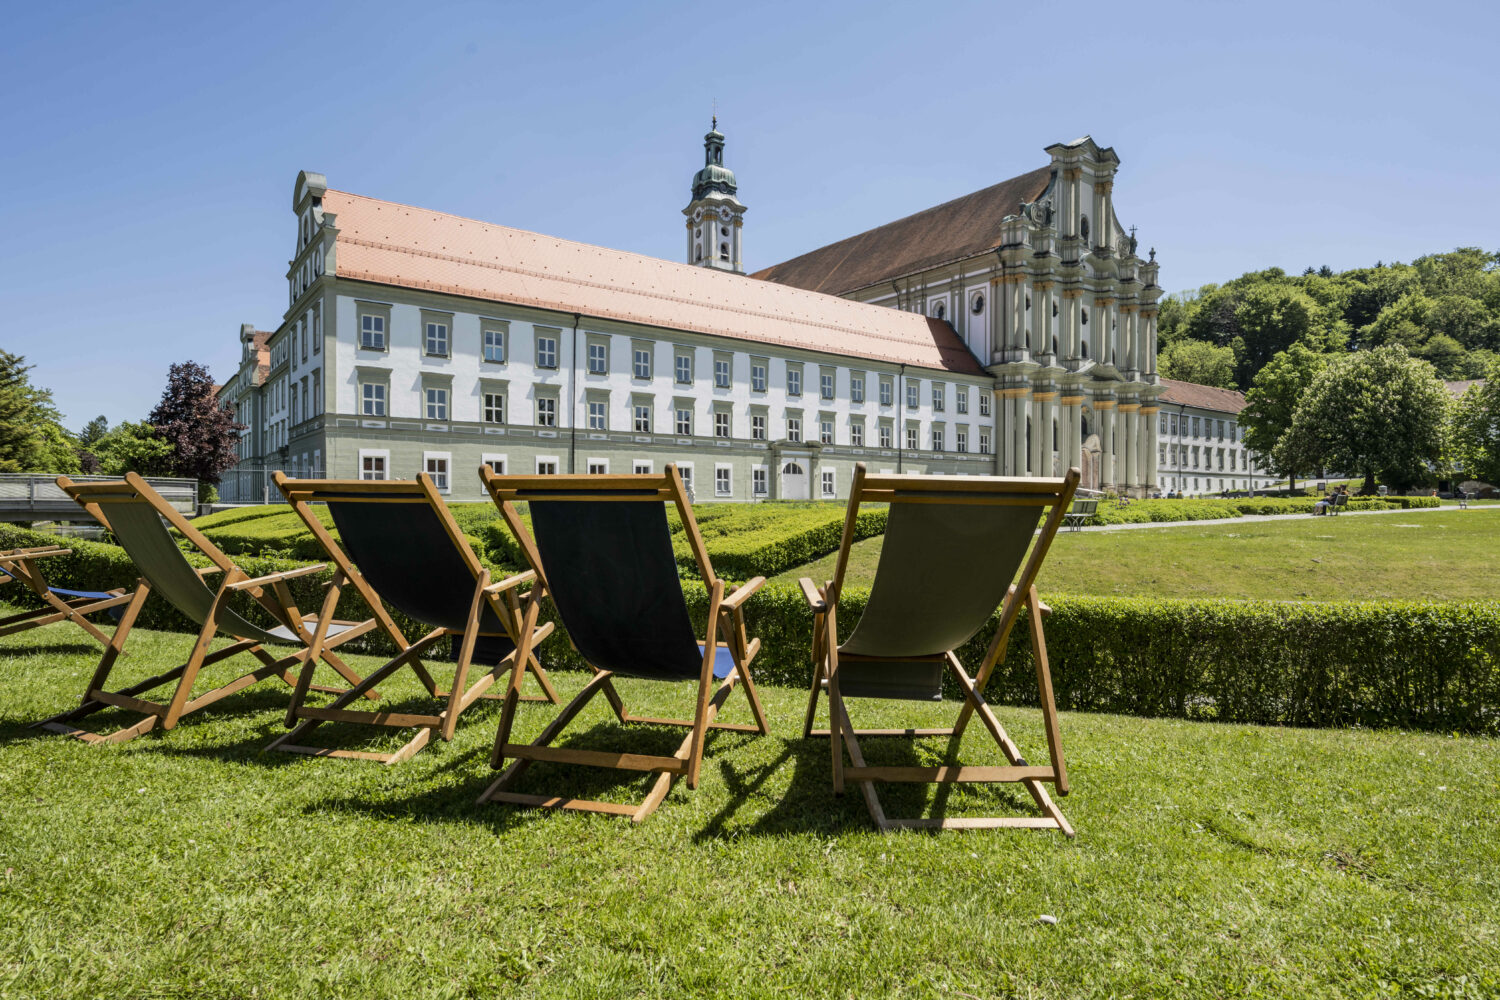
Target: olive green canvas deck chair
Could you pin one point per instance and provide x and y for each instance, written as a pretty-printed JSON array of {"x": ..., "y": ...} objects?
[
  {"x": 134, "y": 513},
  {"x": 399, "y": 546},
  {"x": 23, "y": 566},
  {"x": 955, "y": 549},
  {"x": 601, "y": 547}
]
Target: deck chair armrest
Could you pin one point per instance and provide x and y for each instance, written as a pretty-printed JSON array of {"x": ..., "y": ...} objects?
[
  {"x": 525, "y": 576},
  {"x": 262, "y": 581},
  {"x": 740, "y": 596},
  {"x": 40, "y": 552},
  {"x": 810, "y": 592},
  {"x": 1046, "y": 608},
  {"x": 210, "y": 570}
]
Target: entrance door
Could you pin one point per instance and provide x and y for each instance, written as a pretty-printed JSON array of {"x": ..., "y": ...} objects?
[{"x": 794, "y": 484}]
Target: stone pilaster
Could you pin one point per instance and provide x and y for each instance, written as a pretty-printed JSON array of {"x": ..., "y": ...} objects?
[
  {"x": 1129, "y": 476},
  {"x": 1071, "y": 431},
  {"x": 1106, "y": 410},
  {"x": 1044, "y": 412},
  {"x": 1148, "y": 444}
]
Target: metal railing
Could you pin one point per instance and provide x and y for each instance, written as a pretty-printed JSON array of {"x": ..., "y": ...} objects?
[{"x": 35, "y": 496}]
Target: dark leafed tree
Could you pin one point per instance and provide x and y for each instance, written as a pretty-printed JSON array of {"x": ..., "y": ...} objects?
[{"x": 202, "y": 433}]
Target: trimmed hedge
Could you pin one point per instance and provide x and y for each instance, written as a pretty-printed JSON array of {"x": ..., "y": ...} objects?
[{"x": 1397, "y": 663}]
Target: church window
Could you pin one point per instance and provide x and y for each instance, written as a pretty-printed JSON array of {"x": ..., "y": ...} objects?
[
  {"x": 723, "y": 251},
  {"x": 1083, "y": 228},
  {"x": 941, "y": 311},
  {"x": 1083, "y": 347},
  {"x": 699, "y": 258},
  {"x": 978, "y": 305},
  {"x": 1054, "y": 434},
  {"x": 1085, "y": 313}
]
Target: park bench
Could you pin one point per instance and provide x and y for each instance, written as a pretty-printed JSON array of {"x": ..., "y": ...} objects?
[
  {"x": 1337, "y": 501},
  {"x": 1462, "y": 498},
  {"x": 1079, "y": 511}
]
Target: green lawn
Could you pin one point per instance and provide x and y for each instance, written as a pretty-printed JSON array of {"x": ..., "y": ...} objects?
[
  {"x": 1212, "y": 860},
  {"x": 1446, "y": 555}
]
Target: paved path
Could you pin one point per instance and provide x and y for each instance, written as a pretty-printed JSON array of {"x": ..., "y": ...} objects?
[{"x": 1251, "y": 518}]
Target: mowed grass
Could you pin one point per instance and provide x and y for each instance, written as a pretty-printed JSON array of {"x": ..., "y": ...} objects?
[
  {"x": 1212, "y": 860},
  {"x": 1427, "y": 555}
]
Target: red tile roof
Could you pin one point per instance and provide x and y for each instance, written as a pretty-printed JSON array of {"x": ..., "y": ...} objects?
[
  {"x": 1205, "y": 396},
  {"x": 951, "y": 231},
  {"x": 391, "y": 244}
]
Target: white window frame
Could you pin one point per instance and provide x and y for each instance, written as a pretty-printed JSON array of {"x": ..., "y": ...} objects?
[
  {"x": 540, "y": 411},
  {"x": 544, "y": 460},
  {"x": 760, "y": 478},
  {"x": 371, "y": 339},
  {"x": 598, "y": 415},
  {"x": 641, "y": 466},
  {"x": 491, "y": 459},
  {"x": 640, "y": 362},
  {"x": 430, "y": 402},
  {"x": 439, "y": 332},
  {"x": 682, "y": 368},
  {"x": 546, "y": 352},
  {"x": 678, "y": 422},
  {"x": 723, "y": 373},
  {"x": 486, "y": 345},
  {"x": 794, "y": 429},
  {"x": 757, "y": 426},
  {"x": 367, "y": 399},
  {"x": 382, "y": 455},
  {"x": 723, "y": 480},
  {"x": 596, "y": 466},
  {"x": 597, "y": 358},
  {"x": 489, "y": 411},
  {"x": 446, "y": 457},
  {"x": 758, "y": 376},
  {"x": 829, "y": 484},
  {"x": 984, "y": 403},
  {"x": 722, "y": 424}
]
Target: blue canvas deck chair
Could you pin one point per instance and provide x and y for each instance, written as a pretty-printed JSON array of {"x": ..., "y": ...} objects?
[
  {"x": 601, "y": 548},
  {"x": 22, "y": 566},
  {"x": 398, "y": 545},
  {"x": 955, "y": 549},
  {"x": 138, "y": 517}
]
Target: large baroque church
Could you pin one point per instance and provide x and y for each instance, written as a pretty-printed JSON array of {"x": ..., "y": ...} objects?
[{"x": 1049, "y": 293}]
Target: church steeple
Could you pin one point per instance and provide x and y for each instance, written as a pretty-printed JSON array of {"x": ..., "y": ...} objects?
[{"x": 715, "y": 217}]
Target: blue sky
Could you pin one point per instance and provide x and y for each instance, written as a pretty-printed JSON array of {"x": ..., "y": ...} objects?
[{"x": 149, "y": 151}]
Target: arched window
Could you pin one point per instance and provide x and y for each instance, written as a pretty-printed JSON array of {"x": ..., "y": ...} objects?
[
  {"x": 941, "y": 311},
  {"x": 723, "y": 251},
  {"x": 1083, "y": 228},
  {"x": 978, "y": 304},
  {"x": 791, "y": 469},
  {"x": 700, "y": 252}
]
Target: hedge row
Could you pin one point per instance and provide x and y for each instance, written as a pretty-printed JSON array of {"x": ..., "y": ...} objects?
[
  {"x": 1210, "y": 509},
  {"x": 1398, "y": 663}
]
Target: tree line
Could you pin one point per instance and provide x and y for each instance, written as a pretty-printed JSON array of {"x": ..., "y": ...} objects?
[
  {"x": 1345, "y": 370},
  {"x": 186, "y": 434}
]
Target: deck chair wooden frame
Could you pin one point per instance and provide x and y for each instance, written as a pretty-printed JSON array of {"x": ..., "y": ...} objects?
[
  {"x": 516, "y": 613},
  {"x": 726, "y": 650},
  {"x": 23, "y": 566},
  {"x": 1052, "y": 495},
  {"x": 134, "y": 512}
]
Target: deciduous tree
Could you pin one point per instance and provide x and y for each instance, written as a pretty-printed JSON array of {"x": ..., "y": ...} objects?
[
  {"x": 1373, "y": 412},
  {"x": 1196, "y": 361},
  {"x": 203, "y": 435},
  {"x": 1270, "y": 403},
  {"x": 1476, "y": 428}
]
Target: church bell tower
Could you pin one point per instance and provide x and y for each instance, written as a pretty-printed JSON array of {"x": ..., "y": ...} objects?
[{"x": 715, "y": 217}]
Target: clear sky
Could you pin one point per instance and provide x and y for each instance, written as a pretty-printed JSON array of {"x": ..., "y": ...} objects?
[{"x": 148, "y": 152}]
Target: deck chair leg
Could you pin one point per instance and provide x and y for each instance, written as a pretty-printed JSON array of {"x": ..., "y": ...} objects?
[
  {"x": 535, "y": 666},
  {"x": 836, "y": 713},
  {"x": 1044, "y": 686},
  {"x": 857, "y": 757},
  {"x": 553, "y": 730}
]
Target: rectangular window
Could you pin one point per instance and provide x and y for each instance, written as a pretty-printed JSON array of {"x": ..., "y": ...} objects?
[
  {"x": 684, "y": 369},
  {"x": 963, "y": 398},
  {"x": 825, "y": 385},
  {"x": 758, "y": 426},
  {"x": 1174, "y": 424},
  {"x": 984, "y": 442},
  {"x": 597, "y": 418},
  {"x": 317, "y": 327},
  {"x": 641, "y": 468},
  {"x": 598, "y": 359},
  {"x": 317, "y": 391},
  {"x": 857, "y": 387},
  {"x": 642, "y": 419},
  {"x": 913, "y": 398},
  {"x": 496, "y": 464},
  {"x": 1163, "y": 423},
  {"x": 437, "y": 403},
  {"x": 546, "y": 352},
  {"x": 684, "y": 420},
  {"x": 494, "y": 345},
  {"x": 984, "y": 403},
  {"x": 885, "y": 435},
  {"x": 372, "y": 467},
  {"x": 437, "y": 339},
  {"x": 546, "y": 411},
  {"x": 494, "y": 408},
  {"x": 721, "y": 425},
  {"x": 794, "y": 381},
  {"x": 939, "y": 395},
  {"x": 546, "y": 466},
  {"x": 1195, "y": 427},
  {"x": 825, "y": 431},
  {"x": 961, "y": 442},
  {"x": 758, "y": 376},
  {"x": 857, "y": 434},
  {"x": 794, "y": 429},
  {"x": 372, "y": 399},
  {"x": 641, "y": 363},
  {"x": 828, "y": 484},
  {"x": 722, "y": 481},
  {"x": 721, "y": 373},
  {"x": 885, "y": 392},
  {"x": 686, "y": 472},
  {"x": 911, "y": 439},
  {"x": 758, "y": 482},
  {"x": 598, "y": 467},
  {"x": 937, "y": 440},
  {"x": 437, "y": 470}
]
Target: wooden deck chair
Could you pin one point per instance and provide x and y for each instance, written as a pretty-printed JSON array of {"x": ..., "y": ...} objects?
[
  {"x": 134, "y": 513},
  {"x": 953, "y": 546},
  {"x": 603, "y": 552},
  {"x": 398, "y": 545},
  {"x": 58, "y": 604}
]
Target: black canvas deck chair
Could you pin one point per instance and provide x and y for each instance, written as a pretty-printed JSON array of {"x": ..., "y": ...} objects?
[
  {"x": 399, "y": 546},
  {"x": 135, "y": 514},
  {"x": 23, "y": 566},
  {"x": 602, "y": 549},
  {"x": 952, "y": 552}
]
